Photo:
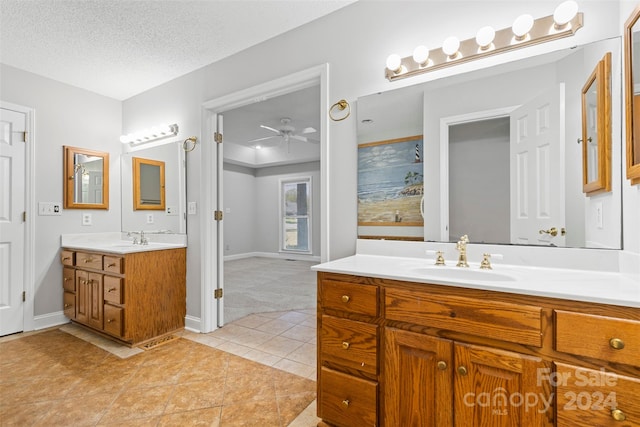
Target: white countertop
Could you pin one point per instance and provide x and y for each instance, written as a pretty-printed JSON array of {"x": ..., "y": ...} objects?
[
  {"x": 117, "y": 243},
  {"x": 570, "y": 284}
]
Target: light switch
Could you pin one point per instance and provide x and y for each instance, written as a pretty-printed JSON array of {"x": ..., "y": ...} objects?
[{"x": 192, "y": 208}]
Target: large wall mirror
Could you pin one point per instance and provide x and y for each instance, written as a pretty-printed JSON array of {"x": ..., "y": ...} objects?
[
  {"x": 154, "y": 189},
  {"x": 502, "y": 161},
  {"x": 632, "y": 92},
  {"x": 86, "y": 178}
]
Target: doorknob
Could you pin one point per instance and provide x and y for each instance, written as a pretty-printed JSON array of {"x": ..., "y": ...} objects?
[{"x": 553, "y": 231}]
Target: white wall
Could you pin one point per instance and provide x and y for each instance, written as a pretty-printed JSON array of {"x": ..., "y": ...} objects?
[
  {"x": 240, "y": 200},
  {"x": 64, "y": 115}
]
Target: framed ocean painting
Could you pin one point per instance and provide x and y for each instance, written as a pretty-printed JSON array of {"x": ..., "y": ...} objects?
[{"x": 390, "y": 182}]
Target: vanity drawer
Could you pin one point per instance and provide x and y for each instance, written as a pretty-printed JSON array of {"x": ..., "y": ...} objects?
[
  {"x": 587, "y": 397},
  {"x": 500, "y": 320},
  {"x": 69, "y": 301},
  {"x": 607, "y": 338},
  {"x": 69, "y": 279},
  {"x": 67, "y": 257},
  {"x": 347, "y": 401},
  {"x": 350, "y": 297},
  {"x": 350, "y": 343},
  {"x": 113, "y": 319},
  {"x": 89, "y": 260},
  {"x": 113, "y": 264},
  {"x": 113, "y": 291}
]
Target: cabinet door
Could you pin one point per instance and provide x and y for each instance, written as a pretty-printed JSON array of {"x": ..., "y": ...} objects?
[
  {"x": 96, "y": 300},
  {"x": 417, "y": 380},
  {"x": 82, "y": 296},
  {"x": 500, "y": 389}
]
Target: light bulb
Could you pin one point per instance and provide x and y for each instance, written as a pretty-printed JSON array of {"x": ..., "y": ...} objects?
[
  {"x": 125, "y": 139},
  {"x": 522, "y": 25},
  {"x": 421, "y": 55},
  {"x": 564, "y": 13},
  {"x": 450, "y": 46},
  {"x": 394, "y": 63},
  {"x": 485, "y": 37}
]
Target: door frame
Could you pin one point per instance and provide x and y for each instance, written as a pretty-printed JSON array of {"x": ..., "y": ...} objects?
[
  {"x": 29, "y": 204},
  {"x": 318, "y": 75},
  {"x": 445, "y": 122}
]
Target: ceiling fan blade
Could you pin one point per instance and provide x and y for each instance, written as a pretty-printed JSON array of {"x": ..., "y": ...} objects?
[
  {"x": 269, "y": 128},
  {"x": 300, "y": 138},
  {"x": 309, "y": 130},
  {"x": 263, "y": 138}
]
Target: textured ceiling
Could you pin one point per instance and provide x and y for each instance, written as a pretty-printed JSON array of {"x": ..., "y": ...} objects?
[{"x": 120, "y": 48}]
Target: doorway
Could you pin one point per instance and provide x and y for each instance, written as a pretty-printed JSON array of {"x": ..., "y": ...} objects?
[{"x": 212, "y": 310}]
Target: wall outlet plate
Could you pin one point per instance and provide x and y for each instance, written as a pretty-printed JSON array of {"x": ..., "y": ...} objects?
[
  {"x": 49, "y": 208},
  {"x": 87, "y": 219},
  {"x": 149, "y": 218},
  {"x": 172, "y": 210},
  {"x": 192, "y": 208}
]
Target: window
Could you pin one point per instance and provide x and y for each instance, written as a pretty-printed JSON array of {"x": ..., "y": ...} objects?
[{"x": 295, "y": 208}]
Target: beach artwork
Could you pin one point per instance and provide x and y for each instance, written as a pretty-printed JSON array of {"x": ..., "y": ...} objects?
[{"x": 390, "y": 182}]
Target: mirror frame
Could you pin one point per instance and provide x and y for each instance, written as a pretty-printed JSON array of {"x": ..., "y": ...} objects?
[
  {"x": 633, "y": 143},
  {"x": 68, "y": 180},
  {"x": 137, "y": 202},
  {"x": 601, "y": 78}
]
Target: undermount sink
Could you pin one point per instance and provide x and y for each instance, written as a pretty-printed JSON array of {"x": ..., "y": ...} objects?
[{"x": 461, "y": 273}]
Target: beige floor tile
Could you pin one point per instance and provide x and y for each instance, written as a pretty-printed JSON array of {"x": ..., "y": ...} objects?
[
  {"x": 306, "y": 354},
  {"x": 293, "y": 317},
  {"x": 261, "y": 357},
  {"x": 296, "y": 368},
  {"x": 279, "y": 346},
  {"x": 299, "y": 333},
  {"x": 275, "y": 326}
]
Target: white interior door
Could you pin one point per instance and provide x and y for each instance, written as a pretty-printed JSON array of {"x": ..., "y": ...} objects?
[
  {"x": 219, "y": 222},
  {"x": 537, "y": 170},
  {"x": 12, "y": 226}
]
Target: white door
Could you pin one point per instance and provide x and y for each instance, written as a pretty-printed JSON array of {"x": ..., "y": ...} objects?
[
  {"x": 537, "y": 170},
  {"x": 219, "y": 222},
  {"x": 12, "y": 226}
]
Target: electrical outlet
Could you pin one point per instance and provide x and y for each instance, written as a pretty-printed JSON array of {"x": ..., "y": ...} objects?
[
  {"x": 192, "y": 208},
  {"x": 149, "y": 218},
  {"x": 86, "y": 219},
  {"x": 599, "y": 221},
  {"x": 49, "y": 208}
]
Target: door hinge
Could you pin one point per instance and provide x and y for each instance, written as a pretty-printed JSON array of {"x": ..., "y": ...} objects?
[
  {"x": 24, "y": 296},
  {"x": 217, "y": 215},
  {"x": 217, "y": 137},
  {"x": 24, "y": 216},
  {"x": 24, "y": 136},
  {"x": 217, "y": 294}
]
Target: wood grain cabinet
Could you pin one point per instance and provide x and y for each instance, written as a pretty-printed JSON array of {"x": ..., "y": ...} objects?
[
  {"x": 394, "y": 353},
  {"x": 132, "y": 298}
]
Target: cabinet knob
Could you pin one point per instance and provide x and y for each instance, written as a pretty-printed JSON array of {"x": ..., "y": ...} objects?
[
  {"x": 618, "y": 415},
  {"x": 66, "y": 258},
  {"x": 616, "y": 343},
  {"x": 86, "y": 260},
  {"x": 346, "y": 403},
  {"x": 66, "y": 279},
  {"x": 345, "y": 298},
  {"x": 345, "y": 345},
  {"x": 110, "y": 320},
  {"x": 111, "y": 290},
  {"x": 67, "y": 305},
  {"x": 113, "y": 264},
  {"x": 462, "y": 370},
  {"x": 441, "y": 365}
]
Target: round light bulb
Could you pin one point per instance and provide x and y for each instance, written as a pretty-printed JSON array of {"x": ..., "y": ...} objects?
[
  {"x": 450, "y": 46},
  {"x": 421, "y": 55},
  {"x": 564, "y": 13},
  {"x": 522, "y": 25},
  {"x": 485, "y": 36},
  {"x": 394, "y": 62}
]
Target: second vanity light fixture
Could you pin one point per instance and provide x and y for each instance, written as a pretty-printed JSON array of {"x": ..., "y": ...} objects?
[
  {"x": 152, "y": 134},
  {"x": 525, "y": 31}
]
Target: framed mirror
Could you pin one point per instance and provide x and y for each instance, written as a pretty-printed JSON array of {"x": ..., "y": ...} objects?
[
  {"x": 596, "y": 129},
  {"x": 148, "y": 184},
  {"x": 632, "y": 92},
  {"x": 86, "y": 178}
]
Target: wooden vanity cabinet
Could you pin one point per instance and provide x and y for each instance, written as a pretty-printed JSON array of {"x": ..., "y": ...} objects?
[
  {"x": 452, "y": 356},
  {"x": 132, "y": 298}
]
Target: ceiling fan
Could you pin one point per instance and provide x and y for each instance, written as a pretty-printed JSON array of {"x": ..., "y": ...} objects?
[{"x": 288, "y": 132}]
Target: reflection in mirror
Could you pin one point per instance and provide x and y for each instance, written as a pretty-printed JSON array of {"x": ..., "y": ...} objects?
[
  {"x": 86, "y": 175},
  {"x": 148, "y": 184},
  {"x": 596, "y": 129},
  {"x": 535, "y": 104},
  {"x": 160, "y": 207},
  {"x": 632, "y": 92}
]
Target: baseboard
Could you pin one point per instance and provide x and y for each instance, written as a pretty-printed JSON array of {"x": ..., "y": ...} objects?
[
  {"x": 192, "y": 324},
  {"x": 279, "y": 255},
  {"x": 49, "y": 320}
]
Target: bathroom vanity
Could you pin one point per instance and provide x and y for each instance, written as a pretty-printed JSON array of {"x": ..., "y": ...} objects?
[
  {"x": 130, "y": 293},
  {"x": 403, "y": 342}
]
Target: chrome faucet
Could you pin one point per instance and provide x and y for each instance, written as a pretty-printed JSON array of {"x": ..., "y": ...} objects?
[
  {"x": 143, "y": 239},
  {"x": 461, "y": 247}
]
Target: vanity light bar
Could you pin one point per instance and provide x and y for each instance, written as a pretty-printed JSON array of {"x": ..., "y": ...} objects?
[
  {"x": 529, "y": 32},
  {"x": 147, "y": 135}
]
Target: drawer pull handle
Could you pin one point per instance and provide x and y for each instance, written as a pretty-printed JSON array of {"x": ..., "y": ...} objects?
[
  {"x": 67, "y": 258},
  {"x": 113, "y": 264},
  {"x": 345, "y": 298},
  {"x": 111, "y": 290},
  {"x": 618, "y": 415},
  {"x": 346, "y": 403},
  {"x": 616, "y": 343},
  {"x": 441, "y": 365},
  {"x": 462, "y": 370},
  {"x": 345, "y": 345},
  {"x": 86, "y": 260},
  {"x": 67, "y": 305},
  {"x": 66, "y": 279},
  {"x": 110, "y": 320}
]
